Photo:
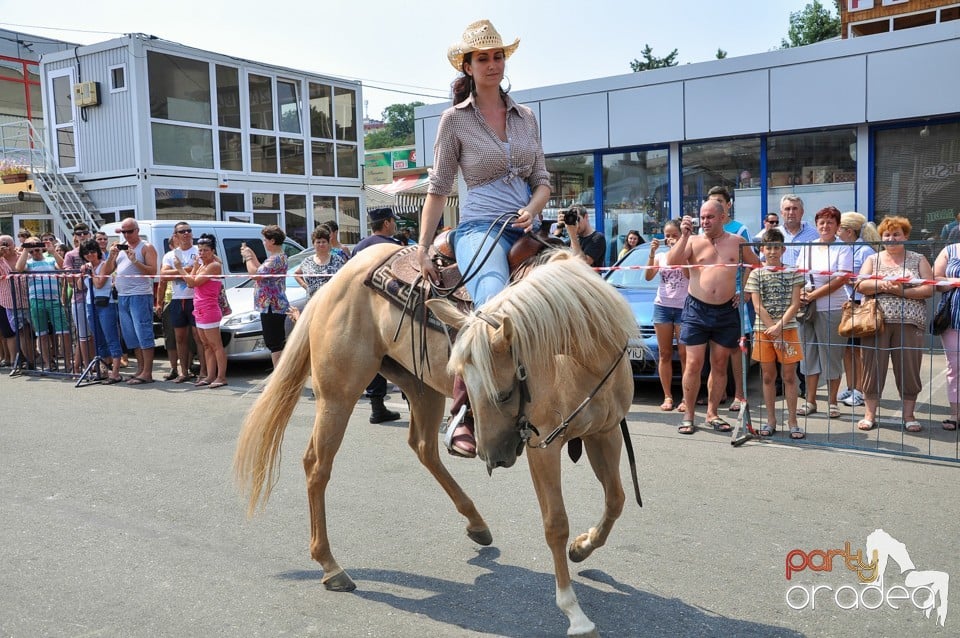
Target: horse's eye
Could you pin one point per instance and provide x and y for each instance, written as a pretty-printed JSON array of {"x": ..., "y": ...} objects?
[{"x": 503, "y": 397}]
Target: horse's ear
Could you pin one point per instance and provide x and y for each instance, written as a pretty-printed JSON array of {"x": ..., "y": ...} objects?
[
  {"x": 502, "y": 336},
  {"x": 447, "y": 312}
]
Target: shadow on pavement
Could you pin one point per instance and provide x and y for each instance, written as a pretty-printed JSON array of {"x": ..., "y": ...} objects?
[{"x": 514, "y": 601}]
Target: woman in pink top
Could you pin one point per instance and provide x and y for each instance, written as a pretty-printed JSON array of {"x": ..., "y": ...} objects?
[
  {"x": 667, "y": 308},
  {"x": 205, "y": 280}
]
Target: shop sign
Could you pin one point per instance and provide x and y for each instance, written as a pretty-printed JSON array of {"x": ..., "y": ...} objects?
[{"x": 941, "y": 171}]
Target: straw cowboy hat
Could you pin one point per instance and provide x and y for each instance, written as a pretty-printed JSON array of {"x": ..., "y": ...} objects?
[{"x": 479, "y": 36}]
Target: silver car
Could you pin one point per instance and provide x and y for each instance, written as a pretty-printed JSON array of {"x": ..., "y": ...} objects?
[{"x": 241, "y": 331}]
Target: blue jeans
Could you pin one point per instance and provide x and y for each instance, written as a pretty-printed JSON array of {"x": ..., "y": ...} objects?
[
  {"x": 136, "y": 320},
  {"x": 103, "y": 321},
  {"x": 493, "y": 276}
]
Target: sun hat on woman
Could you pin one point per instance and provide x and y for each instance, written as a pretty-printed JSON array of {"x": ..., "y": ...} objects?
[{"x": 479, "y": 36}]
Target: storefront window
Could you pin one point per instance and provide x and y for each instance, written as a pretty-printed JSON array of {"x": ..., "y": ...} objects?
[
  {"x": 731, "y": 163},
  {"x": 291, "y": 156},
  {"x": 571, "y": 180},
  {"x": 228, "y": 96},
  {"x": 231, "y": 153},
  {"x": 266, "y": 208},
  {"x": 179, "y": 88},
  {"x": 261, "y": 102},
  {"x": 179, "y": 203},
  {"x": 295, "y": 218},
  {"x": 182, "y": 145},
  {"x": 349, "y": 220},
  {"x": 263, "y": 154},
  {"x": 818, "y": 167},
  {"x": 347, "y": 161},
  {"x": 917, "y": 175},
  {"x": 324, "y": 209},
  {"x": 636, "y": 196}
]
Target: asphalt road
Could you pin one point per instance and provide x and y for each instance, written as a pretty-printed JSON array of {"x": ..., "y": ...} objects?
[{"x": 118, "y": 517}]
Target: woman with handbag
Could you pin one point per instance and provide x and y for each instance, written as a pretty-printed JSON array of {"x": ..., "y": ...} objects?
[
  {"x": 861, "y": 235},
  {"x": 822, "y": 346},
  {"x": 947, "y": 268},
  {"x": 904, "y": 308}
]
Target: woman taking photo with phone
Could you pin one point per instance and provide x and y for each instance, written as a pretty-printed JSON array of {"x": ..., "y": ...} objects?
[{"x": 205, "y": 279}]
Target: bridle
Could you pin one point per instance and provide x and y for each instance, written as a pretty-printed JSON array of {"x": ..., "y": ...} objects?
[{"x": 525, "y": 428}]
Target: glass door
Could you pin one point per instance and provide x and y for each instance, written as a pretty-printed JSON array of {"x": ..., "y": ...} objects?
[{"x": 63, "y": 134}]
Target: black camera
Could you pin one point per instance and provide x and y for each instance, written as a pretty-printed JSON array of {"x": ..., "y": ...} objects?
[
  {"x": 33, "y": 245},
  {"x": 123, "y": 246},
  {"x": 571, "y": 217}
]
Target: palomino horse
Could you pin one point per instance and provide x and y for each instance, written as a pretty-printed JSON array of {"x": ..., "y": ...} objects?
[{"x": 560, "y": 328}]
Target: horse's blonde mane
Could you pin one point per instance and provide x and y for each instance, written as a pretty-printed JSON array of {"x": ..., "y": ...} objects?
[{"x": 560, "y": 308}]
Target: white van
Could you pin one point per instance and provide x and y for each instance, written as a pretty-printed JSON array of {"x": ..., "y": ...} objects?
[{"x": 230, "y": 235}]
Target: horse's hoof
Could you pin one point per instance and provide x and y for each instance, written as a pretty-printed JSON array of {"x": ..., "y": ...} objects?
[
  {"x": 480, "y": 536},
  {"x": 339, "y": 582},
  {"x": 588, "y": 634},
  {"x": 580, "y": 549}
]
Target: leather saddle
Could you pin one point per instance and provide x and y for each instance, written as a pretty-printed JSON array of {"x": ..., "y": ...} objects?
[{"x": 398, "y": 277}]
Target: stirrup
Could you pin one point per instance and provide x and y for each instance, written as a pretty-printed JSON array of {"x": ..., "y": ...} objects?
[{"x": 451, "y": 426}]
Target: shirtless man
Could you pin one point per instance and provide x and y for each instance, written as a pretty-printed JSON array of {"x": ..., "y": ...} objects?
[{"x": 710, "y": 313}]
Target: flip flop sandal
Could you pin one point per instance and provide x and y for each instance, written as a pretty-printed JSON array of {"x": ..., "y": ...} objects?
[
  {"x": 865, "y": 425},
  {"x": 170, "y": 376},
  {"x": 834, "y": 411},
  {"x": 736, "y": 405},
  {"x": 719, "y": 425},
  {"x": 667, "y": 405},
  {"x": 201, "y": 383},
  {"x": 949, "y": 424},
  {"x": 913, "y": 426},
  {"x": 767, "y": 429},
  {"x": 796, "y": 432},
  {"x": 807, "y": 409},
  {"x": 686, "y": 427}
]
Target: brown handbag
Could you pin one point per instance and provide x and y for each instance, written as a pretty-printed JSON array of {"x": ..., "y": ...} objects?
[{"x": 861, "y": 320}]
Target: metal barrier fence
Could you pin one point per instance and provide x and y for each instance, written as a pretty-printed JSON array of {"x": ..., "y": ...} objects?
[
  {"x": 51, "y": 317},
  {"x": 918, "y": 359}
]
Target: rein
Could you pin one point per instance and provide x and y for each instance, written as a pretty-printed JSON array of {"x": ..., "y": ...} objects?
[
  {"x": 560, "y": 429},
  {"x": 527, "y": 429}
]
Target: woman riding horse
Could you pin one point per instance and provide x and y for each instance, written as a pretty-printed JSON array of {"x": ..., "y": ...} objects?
[{"x": 495, "y": 143}]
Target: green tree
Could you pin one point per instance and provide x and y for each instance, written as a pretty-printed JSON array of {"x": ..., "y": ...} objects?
[
  {"x": 650, "y": 61},
  {"x": 398, "y": 129},
  {"x": 813, "y": 24},
  {"x": 721, "y": 54}
]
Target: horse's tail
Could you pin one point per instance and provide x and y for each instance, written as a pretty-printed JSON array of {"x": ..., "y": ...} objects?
[{"x": 258, "y": 448}]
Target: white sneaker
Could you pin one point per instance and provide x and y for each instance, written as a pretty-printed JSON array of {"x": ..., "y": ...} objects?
[
  {"x": 855, "y": 399},
  {"x": 845, "y": 394}
]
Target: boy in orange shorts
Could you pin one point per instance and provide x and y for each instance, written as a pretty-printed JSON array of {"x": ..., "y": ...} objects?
[{"x": 776, "y": 297}]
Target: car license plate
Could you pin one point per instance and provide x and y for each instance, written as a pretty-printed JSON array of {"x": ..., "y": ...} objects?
[{"x": 635, "y": 354}]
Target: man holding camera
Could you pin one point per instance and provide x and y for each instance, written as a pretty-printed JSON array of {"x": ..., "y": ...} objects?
[
  {"x": 590, "y": 245},
  {"x": 136, "y": 268}
]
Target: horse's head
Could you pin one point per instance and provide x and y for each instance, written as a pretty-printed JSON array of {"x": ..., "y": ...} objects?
[{"x": 484, "y": 358}]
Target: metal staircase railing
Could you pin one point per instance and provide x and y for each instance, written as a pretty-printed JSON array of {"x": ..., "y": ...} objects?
[{"x": 65, "y": 198}]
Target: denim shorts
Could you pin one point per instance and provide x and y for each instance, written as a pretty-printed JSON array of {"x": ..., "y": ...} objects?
[
  {"x": 136, "y": 320},
  {"x": 666, "y": 314}
]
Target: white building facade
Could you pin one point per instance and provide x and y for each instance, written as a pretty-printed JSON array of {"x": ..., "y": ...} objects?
[
  {"x": 869, "y": 124},
  {"x": 156, "y": 130}
]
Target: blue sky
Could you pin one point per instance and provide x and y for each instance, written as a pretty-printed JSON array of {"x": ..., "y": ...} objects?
[{"x": 402, "y": 45}]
